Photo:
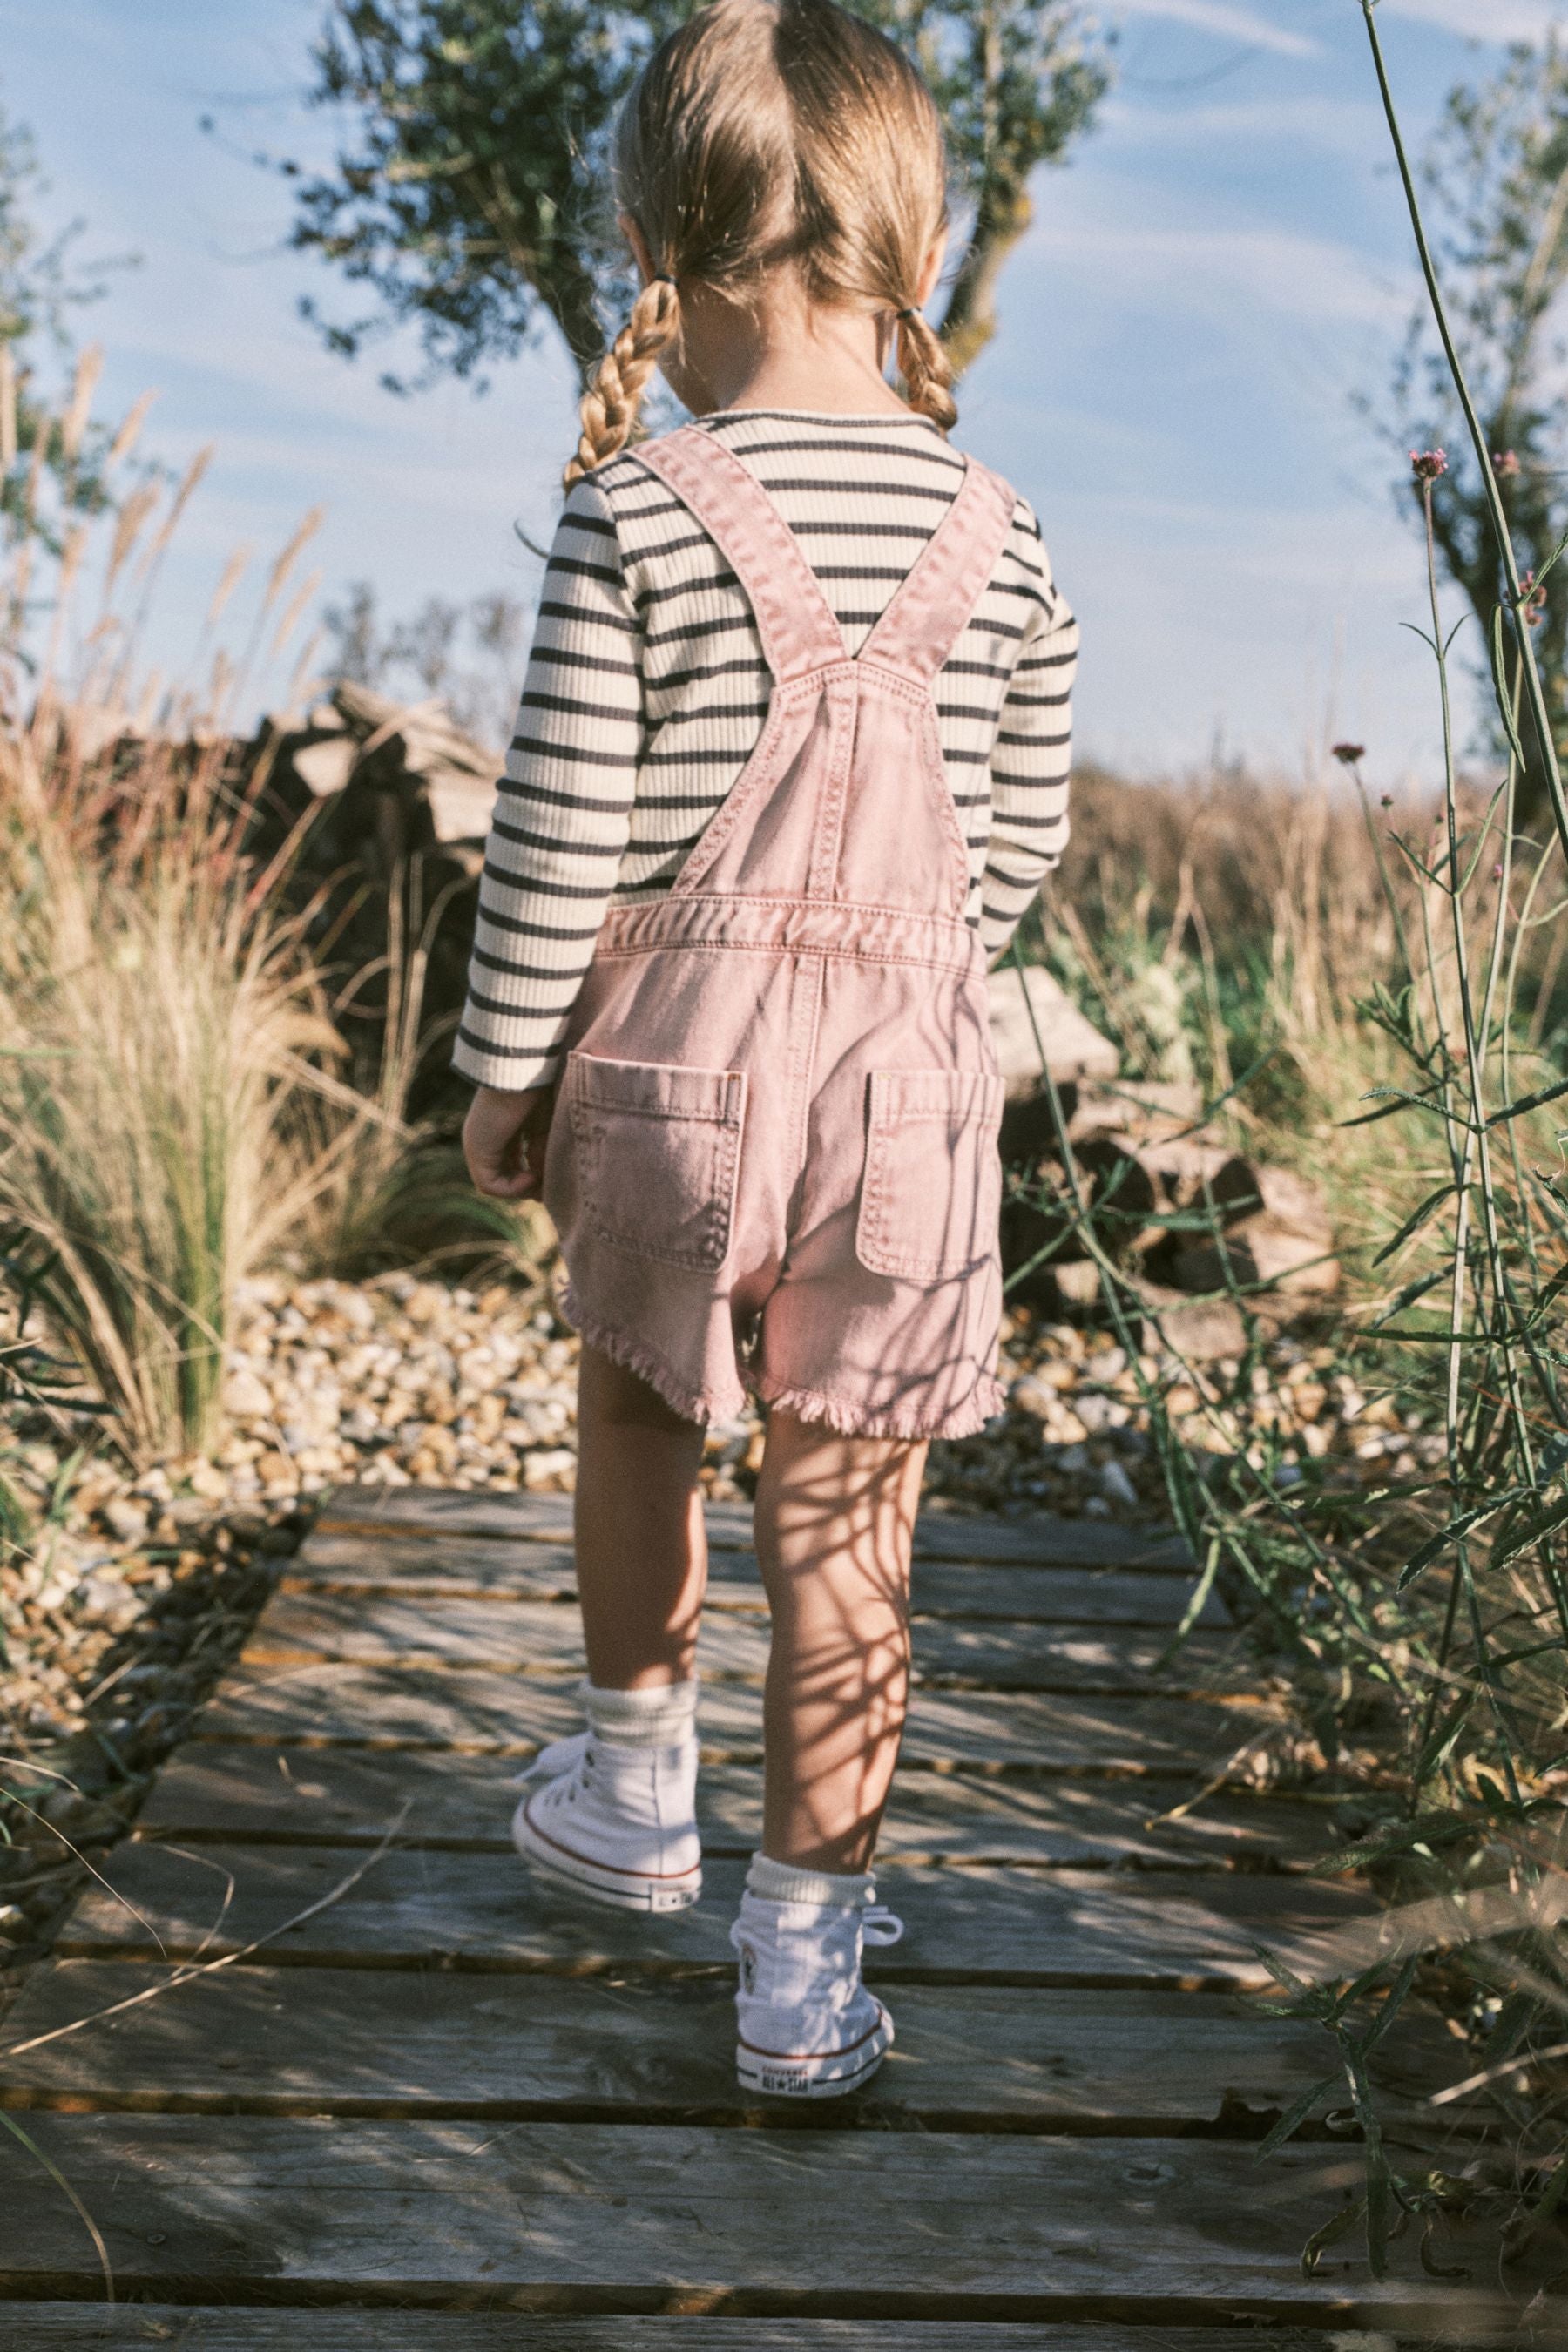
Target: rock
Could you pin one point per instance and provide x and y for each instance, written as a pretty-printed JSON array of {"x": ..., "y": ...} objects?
[
  {"x": 1152, "y": 1110},
  {"x": 1201, "y": 1331},
  {"x": 1117, "y": 1487},
  {"x": 1075, "y": 1049},
  {"x": 1036, "y": 1398},
  {"x": 550, "y": 1469},
  {"x": 1077, "y": 1281},
  {"x": 125, "y": 1518},
  {"x": 245, "y": 1396},
  {"x": 1294, "y": 1203}
]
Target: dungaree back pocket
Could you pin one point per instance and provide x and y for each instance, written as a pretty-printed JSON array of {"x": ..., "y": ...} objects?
[
  {"x": 657, "y": 1150},
  {"x": 932, "y": 1197}
]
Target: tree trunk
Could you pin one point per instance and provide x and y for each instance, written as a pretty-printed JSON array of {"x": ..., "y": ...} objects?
[{"x": 971, "y": 318}]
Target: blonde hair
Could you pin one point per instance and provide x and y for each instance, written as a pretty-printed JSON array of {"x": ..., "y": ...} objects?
[{"x": 767, "y": 134}]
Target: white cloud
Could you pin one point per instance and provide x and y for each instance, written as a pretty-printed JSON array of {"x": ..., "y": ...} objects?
[
  {"x": 1343, "y": 126},
  {"x": 1486, "y": 20},
  {"x": 1227, "y": 21}
]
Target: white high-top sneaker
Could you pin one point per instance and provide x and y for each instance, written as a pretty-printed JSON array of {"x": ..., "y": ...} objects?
[
  {"x": 808, "y": 2028},
  {"x": 613, "y": 1811}
]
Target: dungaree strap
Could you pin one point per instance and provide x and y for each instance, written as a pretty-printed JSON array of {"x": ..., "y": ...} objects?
[
  {"x": 795, "y": 620},
  {"x": 931, "y": 611}
]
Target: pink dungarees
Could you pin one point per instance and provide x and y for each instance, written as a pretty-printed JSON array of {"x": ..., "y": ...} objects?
[{"x": 774, "y": 1156}]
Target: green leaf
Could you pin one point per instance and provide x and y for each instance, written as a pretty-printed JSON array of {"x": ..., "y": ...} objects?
[
  {"x": 1443, "y": 1738},
  {"x": 1439, "y": 1543},
  {"x": 1393, "y": 2002},
  {"x": 1295, "y": 2115},
  {"x": 1553, "y": 1458},
  {"x": 1416, "y": 1219},
  {"x": 1544, "y": 1523},
  {"x": 1318, "y": 2244},
  {"x": 1408, "y": 1296},
  {"x": 1529, "y": 1102}
]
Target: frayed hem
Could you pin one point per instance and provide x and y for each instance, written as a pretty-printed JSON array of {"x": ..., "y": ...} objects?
[
  {"x": 910, "y": 1424},
  {"x": 634, "y": 1356}
]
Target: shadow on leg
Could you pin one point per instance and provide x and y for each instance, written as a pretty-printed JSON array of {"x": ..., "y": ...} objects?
[{"x": 834, "y": 1525}]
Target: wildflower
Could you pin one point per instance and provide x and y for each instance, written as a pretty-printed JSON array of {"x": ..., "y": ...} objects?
[
  {"x": 1347, "y": 754},
  {"x": 1505, "y": 464},
  {"x": 1497, "y": 871},
  {"x": 1388, "y": 800},
  {"x": 1532, "y": 599},
  {"x": 1427, "y": 464}
]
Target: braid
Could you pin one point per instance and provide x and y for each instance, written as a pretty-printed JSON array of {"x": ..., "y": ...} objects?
[
  {"x": 926, "y": 369},
  {"x": 609, "y": 408}
]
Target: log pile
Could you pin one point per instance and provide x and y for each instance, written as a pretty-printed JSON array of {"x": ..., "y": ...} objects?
[{"x": 1178, "y": 1210}]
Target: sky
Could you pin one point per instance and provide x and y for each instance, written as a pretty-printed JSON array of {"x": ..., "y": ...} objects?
[{"x": 1219, "y": 271}]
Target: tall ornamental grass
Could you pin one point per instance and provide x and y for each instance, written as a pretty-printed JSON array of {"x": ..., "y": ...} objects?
[
  {"x": 157, "y": 1019},
  {"x": 161, "y": 1023}
]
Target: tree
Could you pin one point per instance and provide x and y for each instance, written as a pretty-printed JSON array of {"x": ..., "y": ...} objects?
[
  {"x": 1497, "y": 172},
  {"x": 40, "y": 452},
  {"x": 466, "y": 195}
]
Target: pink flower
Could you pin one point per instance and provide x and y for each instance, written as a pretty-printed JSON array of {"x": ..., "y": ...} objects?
[
  {"x": 1427, "y": 464},
  {"x": 1505, "y": 464},
  {"x": 1347, "y": 754},
  {"x": 1388, "y": 800},
  {"x": 1497, "y": 872},
  {"x": 1532, "y": 599}
]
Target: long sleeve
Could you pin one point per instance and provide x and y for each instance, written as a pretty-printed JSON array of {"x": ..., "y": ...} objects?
[
  {"x": 1030, "y": 763},
  {"x": 562, "y": 813}
]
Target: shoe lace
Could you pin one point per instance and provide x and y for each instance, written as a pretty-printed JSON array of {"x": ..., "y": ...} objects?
[
  {"x": 573, "y": 1754},
  {"x": 877, "y": 1925}
]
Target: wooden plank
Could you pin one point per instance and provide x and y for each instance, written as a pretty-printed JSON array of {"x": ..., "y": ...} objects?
[
  {"x": 540, "y": 2216},
  {"x": 464, "y": 1804},
  {"x": 144, "y": 2327},
  {"x": 481, "y": 1567},
  {"x": 546, "y": 1637},
  {"x": 398, "y": 2042},
  {"x": 438, "y": 1907},
  {"x": 1019, "y": 1731},
  {"x": 1038, "y": 1539}
]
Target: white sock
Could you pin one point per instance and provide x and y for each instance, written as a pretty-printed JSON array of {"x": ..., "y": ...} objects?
[
  {"x": 780, "y": 1881},
  {"x": 660, "y": 1718}
]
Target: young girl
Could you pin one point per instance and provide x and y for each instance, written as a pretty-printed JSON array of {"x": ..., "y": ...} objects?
[{"x": 790, "y": 764}]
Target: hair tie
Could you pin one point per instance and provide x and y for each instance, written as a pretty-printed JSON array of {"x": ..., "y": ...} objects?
[
  {"x": 662, "y": 277},
  {"x": 911, "y": 311}
]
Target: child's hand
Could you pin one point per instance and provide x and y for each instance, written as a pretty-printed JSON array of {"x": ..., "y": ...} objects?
[{"x": 504, "y": 1137}]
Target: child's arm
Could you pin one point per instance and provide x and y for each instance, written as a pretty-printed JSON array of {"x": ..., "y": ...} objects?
[
  {"x": 1030, "y": 762},
  {"x": 562, "y": 813}
]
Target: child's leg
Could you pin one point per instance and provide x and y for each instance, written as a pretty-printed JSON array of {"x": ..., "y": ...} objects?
[
  {"x": 834, "y": 1522},
  {"x": 642, "y": 1558}
]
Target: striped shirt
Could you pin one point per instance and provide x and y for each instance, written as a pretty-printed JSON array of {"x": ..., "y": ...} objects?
[{"x": 647, "y": 691}]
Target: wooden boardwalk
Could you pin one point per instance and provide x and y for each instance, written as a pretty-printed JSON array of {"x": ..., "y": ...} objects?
[{"x": 449, "y": 2115}]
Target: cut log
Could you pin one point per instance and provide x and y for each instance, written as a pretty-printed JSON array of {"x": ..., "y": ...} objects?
[
  {"x": 1074, "y": 1046},
  {"x": 1261, "y": 1249}
]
